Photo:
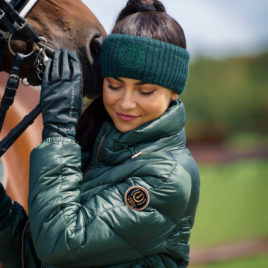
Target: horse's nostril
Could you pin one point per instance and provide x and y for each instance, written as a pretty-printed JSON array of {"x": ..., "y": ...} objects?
[
  {"x": 93, "y": 61},
  {"x": 95, "y": 47}
]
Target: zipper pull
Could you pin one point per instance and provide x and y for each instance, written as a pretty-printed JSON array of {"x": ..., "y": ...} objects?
[{"x": 136, "y": 155}]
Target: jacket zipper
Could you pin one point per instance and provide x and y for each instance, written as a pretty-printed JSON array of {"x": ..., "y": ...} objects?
[{"x": 22, "y": 243}]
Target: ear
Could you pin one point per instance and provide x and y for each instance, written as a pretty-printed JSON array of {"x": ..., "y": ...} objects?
[{"x": 174, "y": 96}]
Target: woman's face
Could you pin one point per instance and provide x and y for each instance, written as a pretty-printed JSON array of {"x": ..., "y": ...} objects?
[{"x": 132, "y": 103}]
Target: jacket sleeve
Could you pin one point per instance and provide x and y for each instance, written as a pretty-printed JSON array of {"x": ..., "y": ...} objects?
[
  {"x": 101, "y": 230},
  {"x": 12, "y": 222}
]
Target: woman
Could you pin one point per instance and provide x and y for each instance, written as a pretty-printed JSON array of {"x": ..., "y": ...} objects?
[{"x": 130, "y": 201}]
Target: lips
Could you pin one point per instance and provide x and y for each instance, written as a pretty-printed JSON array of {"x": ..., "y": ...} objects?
[{"x": 126, "y": 117}]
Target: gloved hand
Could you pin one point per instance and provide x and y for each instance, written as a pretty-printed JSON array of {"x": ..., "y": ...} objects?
[
  {"x": 61, "y": 94},
  {"x": 5, "y": 203},
  {"x": 2, "y": 191}
]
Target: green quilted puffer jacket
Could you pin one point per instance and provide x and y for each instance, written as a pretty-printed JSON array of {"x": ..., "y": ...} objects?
[{"x": 132, "y": 206}]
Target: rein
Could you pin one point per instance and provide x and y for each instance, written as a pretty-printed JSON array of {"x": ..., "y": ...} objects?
[{"x": 12, "y": 21}]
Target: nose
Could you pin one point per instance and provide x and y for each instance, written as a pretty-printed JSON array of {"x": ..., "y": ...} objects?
[
  {"x": 127, "y": 101},
  {"x": 95, "y": 49},
  {"x": 92, "y": 80}
]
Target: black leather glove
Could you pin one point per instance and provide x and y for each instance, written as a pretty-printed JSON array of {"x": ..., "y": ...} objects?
[
  {"x": 5, "y": 202},
  {"x": 61, "y": 95},
  {"x": 2, "y": 191}
]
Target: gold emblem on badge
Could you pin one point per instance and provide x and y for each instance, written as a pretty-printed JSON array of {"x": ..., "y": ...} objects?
[{"x": 137, "y": 198}]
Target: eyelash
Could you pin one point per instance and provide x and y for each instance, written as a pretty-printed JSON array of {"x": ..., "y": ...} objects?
[
  {"x": 141, "y": 92},
  {"x": 147, "y": 93},
  {"x": 113, "y": 88}
]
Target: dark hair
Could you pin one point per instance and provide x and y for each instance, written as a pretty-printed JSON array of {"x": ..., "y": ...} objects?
[
  {"x": 151, "y": 24},
  {"x": 89, "y": 124},
  {"x": 156, "y": 24}
]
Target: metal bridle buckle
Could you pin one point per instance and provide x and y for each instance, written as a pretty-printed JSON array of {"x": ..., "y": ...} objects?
[
  {"x": 19, "y": 27},
  {"x": 41, "y": 57},
  {"x": 14, "y": 76},
  {"x": 5, "y": 35},
  {"x": 12, "y": 51}
]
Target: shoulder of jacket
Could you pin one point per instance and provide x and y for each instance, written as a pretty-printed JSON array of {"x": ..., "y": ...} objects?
[
  {"x": 185, "y": 159},
  {"x": 165, "y": 166},
  {"x": 169, "y": 185}
]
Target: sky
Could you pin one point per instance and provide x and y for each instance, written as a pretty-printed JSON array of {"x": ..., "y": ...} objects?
[{"x": 215, "y": 28}]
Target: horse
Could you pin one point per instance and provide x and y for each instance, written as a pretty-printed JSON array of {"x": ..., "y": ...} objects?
[{"x": 66, "y": 24}]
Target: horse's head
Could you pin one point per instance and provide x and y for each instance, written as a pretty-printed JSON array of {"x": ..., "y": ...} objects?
[{"x": 65, "y": 24}]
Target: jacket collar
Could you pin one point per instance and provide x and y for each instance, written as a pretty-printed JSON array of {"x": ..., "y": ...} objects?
[{"x": 113, "y": 145}]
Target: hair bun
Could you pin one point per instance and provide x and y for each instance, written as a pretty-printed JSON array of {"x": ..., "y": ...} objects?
[
  {"x": 134, "y": 6},
  {"x": 150, "y": 5},
  {"x": 146, "y": 8}
]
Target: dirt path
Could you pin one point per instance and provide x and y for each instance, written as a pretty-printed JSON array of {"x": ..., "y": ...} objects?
[{"x": 232, "y": 251}]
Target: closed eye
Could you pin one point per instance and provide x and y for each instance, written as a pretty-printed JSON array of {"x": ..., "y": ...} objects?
[
  {"x": 147, "y": 92},
  {"x": 113, "y": 88}
]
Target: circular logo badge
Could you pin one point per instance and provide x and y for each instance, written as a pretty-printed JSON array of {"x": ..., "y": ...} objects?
[
  {"x": 137, "y": 198},
  {"x": 131, "y": 55}
]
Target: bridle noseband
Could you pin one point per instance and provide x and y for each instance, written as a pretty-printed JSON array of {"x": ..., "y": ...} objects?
[{"x": 12, "y": 21}]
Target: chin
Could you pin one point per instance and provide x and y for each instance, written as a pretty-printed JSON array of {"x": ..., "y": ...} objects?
[{"x": 124, "y": 129}]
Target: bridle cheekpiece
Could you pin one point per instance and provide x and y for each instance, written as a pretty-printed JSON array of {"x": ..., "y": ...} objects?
[{"x": 12, "y": 21}]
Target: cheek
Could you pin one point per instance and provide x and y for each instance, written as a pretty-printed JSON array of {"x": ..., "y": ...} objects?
[
  {"x": 156, "y": 106},
  {"x": 107, "y": 97}
]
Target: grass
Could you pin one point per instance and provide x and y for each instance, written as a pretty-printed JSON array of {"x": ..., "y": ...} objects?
[
  {"x": 233, "y": 203},
  {"x": 255, "y": 262},
  {"x": 233, "y": 207}
]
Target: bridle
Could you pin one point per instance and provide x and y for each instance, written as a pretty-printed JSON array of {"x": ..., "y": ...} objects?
[{"x": 12, "y": 21}]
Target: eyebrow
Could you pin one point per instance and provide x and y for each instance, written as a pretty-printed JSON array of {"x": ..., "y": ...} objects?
[{"x": 139, "y": 83}]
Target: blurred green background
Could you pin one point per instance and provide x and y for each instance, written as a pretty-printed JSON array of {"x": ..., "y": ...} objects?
[
  {"x": 228, "y": 99},
  {"x": 226, "y": 104}
]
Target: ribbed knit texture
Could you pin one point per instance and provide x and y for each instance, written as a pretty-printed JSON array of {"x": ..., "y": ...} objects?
[{"x": 145, "y": 59}]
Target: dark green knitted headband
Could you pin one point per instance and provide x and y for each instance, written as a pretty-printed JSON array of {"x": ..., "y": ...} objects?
[{"x": 145, "y": 59}]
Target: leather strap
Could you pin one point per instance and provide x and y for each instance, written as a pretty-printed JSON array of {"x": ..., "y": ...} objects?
[
  {"x": 22, "y": 6},
  {"x": 18, "y": 130},
  {"x": 3, "y": 49},
  {"x": 11, "y": 87},
  {"x": 13, "y": 22},
  {"x": 12, "y": 14}
]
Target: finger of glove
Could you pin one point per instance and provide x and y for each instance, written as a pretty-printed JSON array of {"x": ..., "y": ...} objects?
[
  {"x": 55, "y": 75},
  {"x": 2, "y": 190},
  {"x": 74, "y": 61},
  {"x": 76, "y": 75},
  {"x": 46, "y": 75},
  {"x": 66, "y": 70}
]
